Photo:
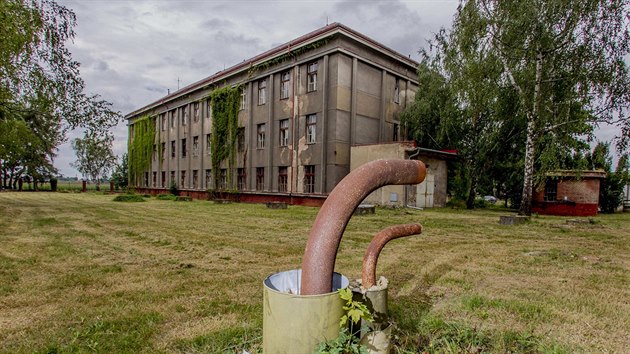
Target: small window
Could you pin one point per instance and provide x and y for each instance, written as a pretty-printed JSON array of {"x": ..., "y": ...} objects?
[
  {"x": 260, "y": 137},
  {"x": 184, "y": 116},
  {"x": 223, "y": 179},
  {"x": 163, "y": 121},
  {"x": 182, "y": 182},
  {"x": 243, "y": 99},
  {"x": 260, "y": 178},
  {"x": 282, "y": 179},
  {"x": 196, "y": 112},
  {"x": 284, "y": 132},
  {"x": 195, "y": 183},
  {"x": 195, "y": 146},
  {"x": 154, "y": 153},
  {"x": 311, "y": 128},
  {"x": 309, "y": 179},
  {"x": 240, "y": 139},
  {"x": 173, "y": 149},
  {"x": 241, "y": 179},
  {"x": 162, "y": 151},
  {"x": 397, "y": 91},
  {"x": 285, "y": 81},
  {"x": 311, "y": 77},
  {"x": 262, "y": 92},
  {"x": 208, "y": 178},
  {"x": 163, "y": 180},
  {"x": 208, "y": 143},
  {"x": 154, "y": 181},
  {"x": 551, "y": 190},
  {"x": 209, "y": 109},
  {"x": 146, "y": 179},
  {"x": 173, "y": 181},
  {"x": 396, "y": 130},
  {"x": 184, "y": 148},
  {"x": 173, "y": 119}
]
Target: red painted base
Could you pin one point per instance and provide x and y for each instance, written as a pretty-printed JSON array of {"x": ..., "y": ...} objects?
[
  {"x": 564, "y": 208},
  {"x": 245, "y": 197}
]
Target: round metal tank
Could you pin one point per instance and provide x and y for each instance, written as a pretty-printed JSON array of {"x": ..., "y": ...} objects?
[{"x": 294, "y": 323}]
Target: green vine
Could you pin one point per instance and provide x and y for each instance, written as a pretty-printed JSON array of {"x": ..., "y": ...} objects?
[
  {"x": 140, "y": 148},
  {"x": 225, "y": 106},
  {"x": 291, "y": 54}
]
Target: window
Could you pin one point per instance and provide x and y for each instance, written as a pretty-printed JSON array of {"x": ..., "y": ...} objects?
[
  {"x": 241, "y": 177},
  {"x": 260, "y": 137},
  {"x": 154, "y": 153},
  {"x": 173, "y": 149},
  {"x": 285, "y": 79},
  {"x": 243, "y": 99},
  {"x": 196, "y": 112},
  {"x": 173, "y": 181},
  {"x": 311, "y": 77},
  {"x": 184, "y": 116},
  {"x": 551, "y": 190},
  {"x": 146, "y": 179},
  {"x": 260, "y": 178},
  {"x": 397, "y": 91},
  {"x": 208, "y": 178},
  {"x": 195, "y": 183},
  {"x": 208, "y": 143},
  {"x": 163, "y": 121},
  {"x": 163, "y": 180},
  {"x": 173, "y": 119},
  {"x": 154, "y": 181},
  {"x": 309, "y": 179},
  {"x": 162, "y": 151},
  {"x": 209, "y": 109},
  {"x": 182, "y": 182},
  {"x": 262, "y": 92},
  {"x": 240, "y": 139},
  {"x": 195, "y": 145},
  {"x": 284, "y": 132},
  {"x": 311, "y": 128},
  {"x": 282, "y": 179},
  {"x": 223, "y": 179},
  {"x": 396, "y": 129},
  {"x": 184, "y": 148}
]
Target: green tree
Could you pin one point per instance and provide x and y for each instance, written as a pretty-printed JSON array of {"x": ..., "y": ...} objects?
[
  {"x": 120, "y": 175},
  {"x": 564, "y": 60},
  {"x": 610, "y": 188},
  {"x": 95, "y": 157}
]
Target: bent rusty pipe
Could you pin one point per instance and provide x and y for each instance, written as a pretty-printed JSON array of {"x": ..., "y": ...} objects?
[
  {"x": 368, "y": 270},
  {"x": 323, "y": 241}
]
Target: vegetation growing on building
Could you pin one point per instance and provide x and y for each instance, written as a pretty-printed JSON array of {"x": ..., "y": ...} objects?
[
  {"x": 291, "y": 54},
  {"x": 225, "y": 105},
  {"x": 141, "y": 141}
]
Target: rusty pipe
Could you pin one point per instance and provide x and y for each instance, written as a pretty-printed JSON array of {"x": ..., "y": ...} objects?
[
  {"x": 368, "y": 270},
  {"x": 323, "y": 241}
]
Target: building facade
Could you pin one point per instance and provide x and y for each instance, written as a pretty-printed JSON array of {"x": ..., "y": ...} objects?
[
  {"x": 302, "y": 106},
  {"x": 569, "y": 193}
]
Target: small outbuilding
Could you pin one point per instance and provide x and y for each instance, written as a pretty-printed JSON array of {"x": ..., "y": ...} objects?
[
  {"x": 568, "y": 193},
  {"x": 428, "y": 194}
]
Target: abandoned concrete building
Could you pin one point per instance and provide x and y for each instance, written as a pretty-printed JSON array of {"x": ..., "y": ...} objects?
[{"x": 302, "y": 106}]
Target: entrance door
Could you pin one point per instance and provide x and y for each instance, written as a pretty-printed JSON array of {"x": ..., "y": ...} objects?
[{"x": 424, "y": 192}]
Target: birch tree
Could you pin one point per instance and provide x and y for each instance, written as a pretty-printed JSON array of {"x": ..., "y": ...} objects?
[{"x": 95, "y": 156}]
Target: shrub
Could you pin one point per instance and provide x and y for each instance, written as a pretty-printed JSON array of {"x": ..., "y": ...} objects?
[
  {"x": 165, "y": 197},
  {"x": 173, "y": 188},
  {"x": 53, "y": 184},
  {"x": 129, "y": 198}
]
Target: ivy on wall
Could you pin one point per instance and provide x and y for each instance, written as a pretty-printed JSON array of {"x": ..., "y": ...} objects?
[
  {"x": 292, "y": 53},
  {"x": 225, "y": 106},
  {"x": 140, "y": 148}
]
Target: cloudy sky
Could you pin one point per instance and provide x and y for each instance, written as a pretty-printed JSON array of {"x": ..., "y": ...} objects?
[{"x": 133, "y": 52}]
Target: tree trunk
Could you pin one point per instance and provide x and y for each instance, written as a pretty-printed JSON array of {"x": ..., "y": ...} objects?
[{"x": 472, "y": 193}]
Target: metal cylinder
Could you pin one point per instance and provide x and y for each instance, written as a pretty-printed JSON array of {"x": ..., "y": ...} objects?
[{"x": 294, "y": 323}]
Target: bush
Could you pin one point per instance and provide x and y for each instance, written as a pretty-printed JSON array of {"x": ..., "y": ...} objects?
[
  {"x": 129, "y": 198},
  {"x": 165, "y": 197},
  {"x": 173, "y": 188}
]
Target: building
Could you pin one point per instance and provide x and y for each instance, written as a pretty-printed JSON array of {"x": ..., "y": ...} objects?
[
  {"x": 302, "y": 106},
  {"x": 428, "y": 194},
  {"x": 569, "y": 193}
]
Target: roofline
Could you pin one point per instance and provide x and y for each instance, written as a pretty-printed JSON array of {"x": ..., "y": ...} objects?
[
  {"x": 575, "y": 173},
  {"x": 308, "y": 38}
]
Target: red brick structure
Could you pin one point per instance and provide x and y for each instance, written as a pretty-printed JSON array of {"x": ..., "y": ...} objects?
[{"x": 569, "y": 193}]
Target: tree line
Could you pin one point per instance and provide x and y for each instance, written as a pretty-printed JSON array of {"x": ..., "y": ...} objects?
[{"x": 518, "y": 87}]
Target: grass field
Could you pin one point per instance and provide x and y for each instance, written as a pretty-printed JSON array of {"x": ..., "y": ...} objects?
[{"x": 81, "y": 273}]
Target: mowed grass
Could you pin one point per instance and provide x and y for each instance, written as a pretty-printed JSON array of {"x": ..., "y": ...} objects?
[{"x": 81, "y": 273}]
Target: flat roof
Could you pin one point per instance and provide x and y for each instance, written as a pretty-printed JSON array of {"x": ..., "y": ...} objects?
[{"x": 301, "y": 41}]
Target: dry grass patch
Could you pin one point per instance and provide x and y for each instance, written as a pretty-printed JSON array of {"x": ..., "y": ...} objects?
[{"x": 79, "y": 273}]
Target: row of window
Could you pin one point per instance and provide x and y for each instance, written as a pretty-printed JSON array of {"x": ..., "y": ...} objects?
[
  {"x": 311, "y": 138},
  {"x": 241, "y": 179}
]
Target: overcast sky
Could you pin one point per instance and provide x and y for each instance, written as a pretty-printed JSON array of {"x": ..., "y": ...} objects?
[{"x": 133, "y": 52}]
